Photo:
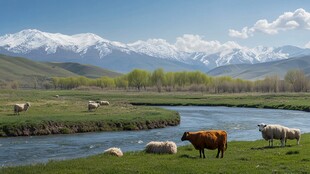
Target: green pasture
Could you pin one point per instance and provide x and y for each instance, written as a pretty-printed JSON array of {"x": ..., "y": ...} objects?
[{"x": 71, "y": 109}]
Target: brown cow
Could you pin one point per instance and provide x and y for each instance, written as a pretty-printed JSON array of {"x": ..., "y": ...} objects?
[{"x": 210, "y": 139}]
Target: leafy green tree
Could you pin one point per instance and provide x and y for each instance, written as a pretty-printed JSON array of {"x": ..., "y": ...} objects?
[
  {"x": 297, "y": 79},
  {"x": 138, "y": 78},
  {"x": 197, "y": 77},
  {"x": 55, "y": 81},
  {"x": 158, "y": 78},
  {"x": 121, "y": 82},
  {"x": 181, "y": 79},
  {"x": 105, "y": 82},
  {"x": 170, "y": 83}
]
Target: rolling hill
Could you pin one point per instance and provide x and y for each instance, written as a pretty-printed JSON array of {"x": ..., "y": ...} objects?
[
  {"x": 28, "y": 72},
  {"x": 261, "y": 70},
  {"x": 89, "y": 71}
]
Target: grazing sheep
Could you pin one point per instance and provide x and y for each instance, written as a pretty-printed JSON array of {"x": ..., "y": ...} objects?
[
  {"x": 103, "y": 103},
  {"x": 211, "y": 139},
  {"x": 92, "y": 106},
  {"x": 292, "y": 133},
  {"x": 114, "y": 151},
  {"x": 56, "y": 96},
  {"x": 270, "y": 132},
  {"x": 21, "y": 107},
  {"x": 161, "y": 147}
]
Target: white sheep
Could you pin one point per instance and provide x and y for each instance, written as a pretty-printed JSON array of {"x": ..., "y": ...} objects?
[
  {"x": 56, "y": 96},
  {"x": 21, "y": 107},
  {"x": 270, "y": 132},
  {"x": 114, "y": 151},
  {"x": 293, "y": 133},
  {"x": 103, "y": 103},
  {"x": 161, "y": 147},
  {"x": 93, "y": 106}
]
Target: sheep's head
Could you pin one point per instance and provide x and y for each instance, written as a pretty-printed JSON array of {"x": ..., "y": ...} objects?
[
  {"x": 261, "y": 126},
  {"x": 27, "y": 105},
  {"x": 184, "y": 137}
]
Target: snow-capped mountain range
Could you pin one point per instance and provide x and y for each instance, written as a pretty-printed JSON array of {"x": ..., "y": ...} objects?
[{"x": 185, "y": 54}]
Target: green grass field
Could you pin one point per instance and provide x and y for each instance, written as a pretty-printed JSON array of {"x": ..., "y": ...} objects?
[
  {"x": 240, "y": 157},
  {"x": 69, "y": 113}
]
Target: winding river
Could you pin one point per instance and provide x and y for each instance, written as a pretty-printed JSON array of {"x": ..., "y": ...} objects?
[{"x": 240, "y": 123}]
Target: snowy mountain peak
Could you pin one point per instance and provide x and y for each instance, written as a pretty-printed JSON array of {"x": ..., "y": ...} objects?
[
  {"x": 157, "y": 48},
  {"x": 32, "y": 39},
  {"x": 192, "y": 50}
]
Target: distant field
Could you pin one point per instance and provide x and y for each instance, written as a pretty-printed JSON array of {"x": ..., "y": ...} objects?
[{"x": 240, "y": 157}]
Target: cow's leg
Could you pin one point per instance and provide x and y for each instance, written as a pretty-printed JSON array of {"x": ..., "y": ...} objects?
[
  {"x": 203, "y": 152},
  {"x": 218, "y": 152},
  {"x": 199, "y": 153},
  {"x": 222, "y": 152}
]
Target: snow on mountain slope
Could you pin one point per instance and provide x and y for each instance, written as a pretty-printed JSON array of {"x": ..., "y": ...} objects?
[
  {"x": 189, "y": 49},
  {"x": 27, "y": 40},
  {"x": 159, "y": 48}
]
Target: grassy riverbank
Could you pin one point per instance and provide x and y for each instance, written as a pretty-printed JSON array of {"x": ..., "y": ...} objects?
[
  {"x": 68, "y": 113},
  {"x": 240, "y": 157},
  {"x": 289, "y": 101}
]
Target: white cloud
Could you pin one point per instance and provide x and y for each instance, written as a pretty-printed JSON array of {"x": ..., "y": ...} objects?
[
  {"x": 299, "y": 19},
  {"x": 195, "y": 43},
  {"x": 243, "y": 34}
]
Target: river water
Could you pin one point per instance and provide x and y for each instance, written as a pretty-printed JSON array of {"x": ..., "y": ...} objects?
[{"x": 240, "y": 124}]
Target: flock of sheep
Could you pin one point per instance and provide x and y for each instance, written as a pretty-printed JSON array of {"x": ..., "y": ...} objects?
[
  {"x": 279, "y": 132},
  {"x": 92, "y": 105},
  {"x": 216, "y": 139},
  {"x": 211, "y": 139}
]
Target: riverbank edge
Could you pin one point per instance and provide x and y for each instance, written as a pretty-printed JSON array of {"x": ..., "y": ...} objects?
[
  {"x": 277, "y": 106},
  {"x": 186, "y": 154},
  {"x": 63, "y": 127}
]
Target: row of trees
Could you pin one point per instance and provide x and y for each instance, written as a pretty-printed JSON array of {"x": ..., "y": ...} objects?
[{"x": 294, "y": 81}]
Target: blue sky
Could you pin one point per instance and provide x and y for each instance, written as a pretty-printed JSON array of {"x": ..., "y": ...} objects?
[{"x": 131, "y": 20}]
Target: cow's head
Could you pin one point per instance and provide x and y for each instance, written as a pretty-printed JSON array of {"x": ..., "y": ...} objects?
[
  {"x": 184, "y": 137},
  {"x": 261, "y": 126}
]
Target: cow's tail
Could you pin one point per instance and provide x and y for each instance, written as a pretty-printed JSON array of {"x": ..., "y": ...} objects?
[{"x": 226, "y": 144}]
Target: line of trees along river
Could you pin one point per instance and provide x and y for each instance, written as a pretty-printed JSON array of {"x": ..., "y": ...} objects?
[{"x": 159, "y": 80}]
